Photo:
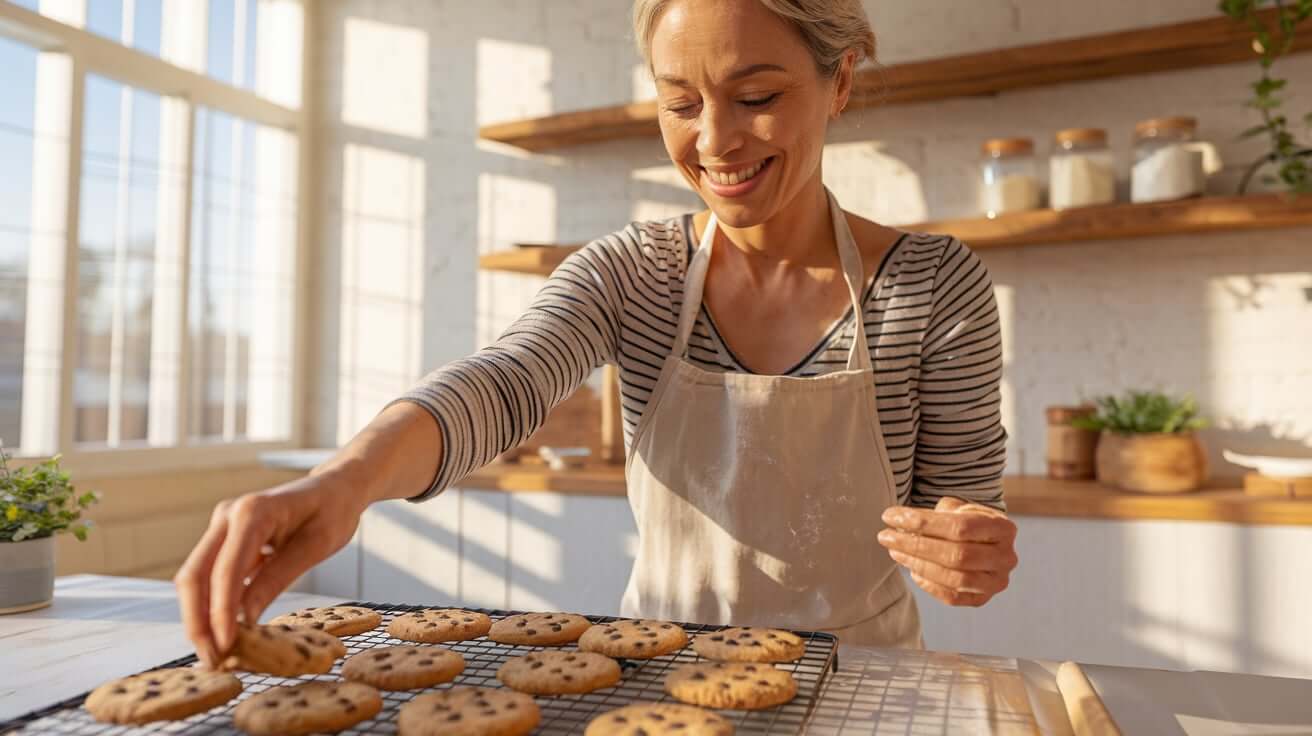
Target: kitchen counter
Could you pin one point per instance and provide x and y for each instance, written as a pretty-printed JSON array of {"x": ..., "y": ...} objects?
[
  {"x": 1026, "y": 495},
  {"x": 105, "y": 627}
]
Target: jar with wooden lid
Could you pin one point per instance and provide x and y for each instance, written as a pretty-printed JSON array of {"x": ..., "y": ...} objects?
[
  {"x": 1010, "y": 177},
  {"x": 1082, "y": 171},
  {"x": 1072, "y": 452},
  {"x": 1169, "y": 164}
]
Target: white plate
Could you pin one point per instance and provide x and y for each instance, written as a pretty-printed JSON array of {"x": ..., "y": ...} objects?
[{"x": 1274, "y": 467}]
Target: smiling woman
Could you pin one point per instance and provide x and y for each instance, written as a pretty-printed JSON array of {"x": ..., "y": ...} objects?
[{"x": 794, "y": 378}]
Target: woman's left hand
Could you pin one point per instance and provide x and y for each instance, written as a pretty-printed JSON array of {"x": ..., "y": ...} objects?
[{"x": 960, "y": 553}]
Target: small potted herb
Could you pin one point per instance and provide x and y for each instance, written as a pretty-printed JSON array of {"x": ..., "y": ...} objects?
[
  {"x": 36, "y": 503},
  {"x": 1148, "y": 442}
]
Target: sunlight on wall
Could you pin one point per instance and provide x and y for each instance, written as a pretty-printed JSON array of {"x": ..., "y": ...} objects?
[
  {"x": 1260, "y": 324},
  {"x": 510, "y": 210},
  {"x": 870, "y": 182},
  {"x": 385, "y": 78},
  {"x": 514, "y": 81},
  {"x": 382, "y": 281},
  {"x": 649, "y": 189}
]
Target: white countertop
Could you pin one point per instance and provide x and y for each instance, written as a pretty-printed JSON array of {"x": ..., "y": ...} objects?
[{"x": 104, "y": 627}]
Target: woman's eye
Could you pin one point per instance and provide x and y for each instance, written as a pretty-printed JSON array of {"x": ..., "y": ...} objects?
[
  {"x": 760, "y": 101},
  {"x": 680, "y": 109}
]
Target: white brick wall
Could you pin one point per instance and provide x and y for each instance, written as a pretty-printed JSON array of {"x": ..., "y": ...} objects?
[{"x": 1228, "y": 318}]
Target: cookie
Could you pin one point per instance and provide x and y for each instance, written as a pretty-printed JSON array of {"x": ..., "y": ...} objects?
[
  {"x": 640, "y": 639},
  {"x": 286, "y": 651},
  {"x": 469, "y": 711},
  {"x": 539, "y": 629},
  {"x": 310, "y": 707},
  {"x": 404, "y": 667},
  {"x": 736, "y": 685},
  {"x": 336, "y": 620},
  {"x": 162, "y": 695},
  {"x": 436, "y": 625},
  {"x": 659, "y": 719},
  {"x": 559, "y": 672},
  {"x": 742, "y": 644}
]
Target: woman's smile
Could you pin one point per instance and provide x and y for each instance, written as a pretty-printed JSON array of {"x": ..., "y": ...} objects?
[{"x": 735, "y": 181}]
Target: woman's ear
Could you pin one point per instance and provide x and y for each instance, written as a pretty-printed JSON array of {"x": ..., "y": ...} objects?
[{"x": 844, "y": 77}]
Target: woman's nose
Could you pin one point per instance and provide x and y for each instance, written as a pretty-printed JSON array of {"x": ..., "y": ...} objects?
[{"x": 719, "y": 131}]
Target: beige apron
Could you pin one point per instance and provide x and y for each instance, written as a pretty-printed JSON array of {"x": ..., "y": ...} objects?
[{"x": 758, "y": 498}]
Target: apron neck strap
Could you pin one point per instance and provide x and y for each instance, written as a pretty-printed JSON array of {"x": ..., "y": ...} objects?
[{"x": 853, "y": 275}]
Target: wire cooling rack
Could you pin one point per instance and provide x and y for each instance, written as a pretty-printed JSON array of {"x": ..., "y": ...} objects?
[{"x": 642, "y": 681}]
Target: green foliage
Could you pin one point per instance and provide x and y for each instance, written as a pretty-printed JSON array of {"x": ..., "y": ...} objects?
[
  {"x": 39, "y": 501},
  {"x": 1292, "y": 160},
  {"x": 1143, "y": 412}
]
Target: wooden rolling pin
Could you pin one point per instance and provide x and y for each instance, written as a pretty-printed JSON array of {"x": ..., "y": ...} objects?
[{"x": 1088, "y": 714}]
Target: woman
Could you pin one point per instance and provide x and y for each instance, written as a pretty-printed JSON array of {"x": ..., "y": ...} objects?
[{"x": 767, "y": 448}]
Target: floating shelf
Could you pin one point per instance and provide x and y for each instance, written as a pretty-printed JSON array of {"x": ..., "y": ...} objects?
[
  {"x": 1046, "y": 227},
  {"x": 1172, "y": 47}
]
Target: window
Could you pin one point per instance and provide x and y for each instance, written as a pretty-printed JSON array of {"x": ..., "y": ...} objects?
[
  {"x": 17, "y": 140},
  {"x": 120, "y": 172},
  {"x": 150, "y": 227}
]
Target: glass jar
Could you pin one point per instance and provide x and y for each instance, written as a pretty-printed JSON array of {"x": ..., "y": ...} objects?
[
  {"x": 1010, "y": 176},
  {"x": 1082, "y": 171},
  {"x": 1169, "y": 164}
]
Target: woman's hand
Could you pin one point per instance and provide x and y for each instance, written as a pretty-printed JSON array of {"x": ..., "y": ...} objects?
[
  {"x": 960, "y": 553},
  {"x": 257, "y": 545}
]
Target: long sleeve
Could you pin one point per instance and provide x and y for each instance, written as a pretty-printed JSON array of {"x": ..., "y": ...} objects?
[
  {"x": 961, "y": 443},
  {"x": 495, "y": 399}
]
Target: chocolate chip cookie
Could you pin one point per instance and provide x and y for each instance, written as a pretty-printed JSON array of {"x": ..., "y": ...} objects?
[
  {"x": 162, "y": 695},
  {"x": 310, "y": 707},
  {"x": 286, "y": 651},
  {"x": 641, "y": 639},
  {"x": 336, "y": 620},
  {"x": 659, "y": 719},
  {"x": 539, "y": 629},
  {"x": 403, "y": 667},
  {"x": 743, "y": 644},
  {"x": 559, "y": 672},
  {"x": 469, "y": 711},
  {"x": 436, "y": 625},
  {"x": 736, "y": 685}
]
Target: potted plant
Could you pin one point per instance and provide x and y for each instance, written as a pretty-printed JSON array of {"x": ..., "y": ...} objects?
[
  {"x": 36, "y": 503},
  {"x": 1147, "y": 442}
]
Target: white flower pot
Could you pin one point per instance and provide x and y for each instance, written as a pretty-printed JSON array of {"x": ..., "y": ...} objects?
[{"x": 27, "y": 574}]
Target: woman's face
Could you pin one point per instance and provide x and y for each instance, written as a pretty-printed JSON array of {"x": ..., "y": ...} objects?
[{"x": 742, "y": 108}]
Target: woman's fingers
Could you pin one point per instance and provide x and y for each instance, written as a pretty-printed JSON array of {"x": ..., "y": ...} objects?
[
  {"x": 956, "y": 525},
  {"x": 249, "y": 529},
  {"x": 193, "y": 584},
  {"x": 301, "y": 552},
  {"x": 949, "y": 596},
  {"x": 965, "y": 556},
  {"x": 962, "y": 581}
]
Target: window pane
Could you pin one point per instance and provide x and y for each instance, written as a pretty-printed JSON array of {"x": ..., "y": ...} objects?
[
  {"x": 17, "y": 107},
  {"x": 243, "y": 239},
  {"x": 232, "y": 41},
  {"x": 116, "y": 259},
  {"x": 105, "y": 18}
]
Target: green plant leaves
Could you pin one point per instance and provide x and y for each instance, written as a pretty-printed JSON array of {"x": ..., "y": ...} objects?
[
  {"x": 1143, "y": 412},
  {"x": 40, "y": 501},
  {"x": 1272, "y": 42}
]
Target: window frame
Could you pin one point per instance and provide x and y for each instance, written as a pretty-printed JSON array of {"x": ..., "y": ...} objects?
[{"x": 183, "y": 86}]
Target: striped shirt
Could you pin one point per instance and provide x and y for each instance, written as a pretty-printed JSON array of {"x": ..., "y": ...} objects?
[{"x": 931, "y": 323}]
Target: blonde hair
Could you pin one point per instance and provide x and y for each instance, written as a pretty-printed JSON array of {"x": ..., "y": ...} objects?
[{"x": 829, "y": 28}]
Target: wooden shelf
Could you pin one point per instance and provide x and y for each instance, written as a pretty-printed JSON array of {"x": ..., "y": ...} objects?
[
  {"x": 1195, "y": 44},
  {"x": 1026, "y": 496},
  {"x": 1109, "y": 222}
]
